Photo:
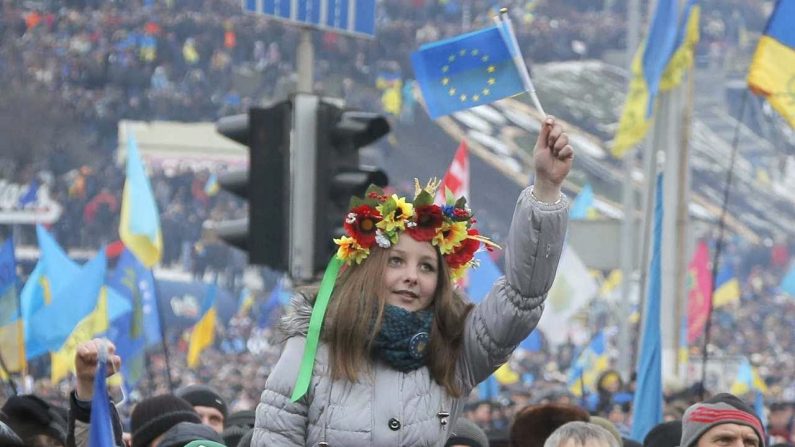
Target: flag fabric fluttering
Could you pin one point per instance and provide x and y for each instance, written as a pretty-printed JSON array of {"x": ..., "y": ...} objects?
[
  {"x": 727, "y": 287},
  {"x": 101, "y": 427},
  {"x": 647, "y": 70},
  {"x": 456, "y": 179},
  {"x": 773, "y": 65},
  {"x": 139, "y": 225},
  {"x": 788, "y": 282},
  {"x": 684, "y": 54},
  {"x": 647, "y": 404},
  {"x": 700, "y": 292},
  {"x": 203, "y": 334},
  {"x": 747, "y": 380},
  {"x": 12, "y": 335},
  {"x": 591, "y": 361},
  {"x": 211, "y": 187},
  {"x": 467, "y": 71},
  {"x": 50, "y": 326},
  {"x": 582, "y": 207}
]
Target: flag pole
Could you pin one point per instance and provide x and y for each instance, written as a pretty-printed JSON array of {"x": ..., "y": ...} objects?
[
  {"x": 8, "y": 375},
  {"x": 506, "y": 29},
  {"x": 162, "y": 333},
  {"x": 719, "y": 244}
]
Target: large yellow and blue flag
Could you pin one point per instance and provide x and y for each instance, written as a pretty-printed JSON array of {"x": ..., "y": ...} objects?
[
  {"x": 139, "y": 226},
  {"x": 467, "y": 70},
  {"x": 12, "y": 336},
  {"x": 50, "y": 326},
  {"x": 686, "y": 39},
  {"x": 772, "y": 70},
  {"x": 203, "y": 333},
  {"x": 727, "y": 287},
  {"x": 591, "y": 361},
  {"x": 647, "y": 70}
]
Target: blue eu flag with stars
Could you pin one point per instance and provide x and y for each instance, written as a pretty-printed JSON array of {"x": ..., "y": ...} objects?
[{"x": 467, "y": 71}]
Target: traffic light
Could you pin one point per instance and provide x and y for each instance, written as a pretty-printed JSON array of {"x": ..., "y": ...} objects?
[
  {"x": 264, "y": 234},
  {"x": 341, "y": 134}
]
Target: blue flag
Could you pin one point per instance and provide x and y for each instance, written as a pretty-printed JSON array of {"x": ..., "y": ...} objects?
[
  {"x": 660, "y": 45},
  {"x": 647, "y": 405},
  {"x": 467, "y": 71},
  {"x": 101, "y": 430}
]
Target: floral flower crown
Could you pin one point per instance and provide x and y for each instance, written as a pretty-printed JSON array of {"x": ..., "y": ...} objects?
[{"x": 379, "y": 219}]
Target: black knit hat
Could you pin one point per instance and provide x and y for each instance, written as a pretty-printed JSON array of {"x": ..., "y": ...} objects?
[
  {"x": 722, "y": 408},
  {"x": 203, "y": 396},
  {"x": 30, "y": 415},
  {"x": 465, "y": 432},
  {"x": 154, "y": 416},
  {"x": 185, "y": 432},
  {"x": 667, "y": 434}
]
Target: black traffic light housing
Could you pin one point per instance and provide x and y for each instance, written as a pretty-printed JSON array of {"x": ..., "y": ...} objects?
[
  {"x": 340, "y": 135},
  {"x": 264, "y": 234}
]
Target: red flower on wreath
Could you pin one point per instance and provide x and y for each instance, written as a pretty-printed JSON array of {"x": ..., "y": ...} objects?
[
  {"x": 465, "y": 252},
  {"x": 428, "y": 220},
  {"x": 360, "y": 224}
]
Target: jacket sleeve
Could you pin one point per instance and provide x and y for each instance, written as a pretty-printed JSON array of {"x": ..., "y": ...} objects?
[
  {"x": 513, "y": 307},
  {"x": 79, "y": 422},
  {"x": 278, "y": 420}
]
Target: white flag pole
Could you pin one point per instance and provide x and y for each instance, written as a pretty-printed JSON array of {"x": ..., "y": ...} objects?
[{"x": 506, "y": 28}]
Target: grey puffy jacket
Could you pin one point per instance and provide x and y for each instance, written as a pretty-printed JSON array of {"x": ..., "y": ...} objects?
[{"x": 390, "y": 408}]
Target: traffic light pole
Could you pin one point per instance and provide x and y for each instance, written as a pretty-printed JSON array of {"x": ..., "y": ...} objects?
[
  {"x": 306, "y": 59},
  {"x": 303, "y": 191}
]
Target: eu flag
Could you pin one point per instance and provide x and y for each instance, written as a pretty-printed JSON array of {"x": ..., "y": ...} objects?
[{"x": 467, "y": 71}]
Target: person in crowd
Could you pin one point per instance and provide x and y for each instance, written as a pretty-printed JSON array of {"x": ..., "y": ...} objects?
[
  {"x": 466, "y": 433},
  {"x": 34, "y": 421},
  {"x": 151, "y": 418},
  {"x": 400, "y": 349},
  {"x": 666, "y": 434},
  {"x": 208, "y": 403},
  {"x": 722, "y": 421},
  {"x": 535, "y": 423},
  {"x": 237, "y": 426},
  {"x": 581, "y": 434},
  {"x": 186, "y": 433}
]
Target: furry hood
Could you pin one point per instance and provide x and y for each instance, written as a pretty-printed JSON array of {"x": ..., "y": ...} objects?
[{"x": 295, "y": 321}]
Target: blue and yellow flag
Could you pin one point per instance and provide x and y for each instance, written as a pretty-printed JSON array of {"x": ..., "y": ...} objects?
[
  {"x": 12, "y": 336},
  {"x": 203, "y": 333},
  {"x": 467, "y": 71},
  {"x": 590, "y": 362},
  {"x": 727, "y": 287},
  {"x": 747, "y": 379},
  {"x": 649, "y": 65},
  {"x": 582, "y": 207},
  {"x": 772, "y": 71},
  {"x": 139, "y": 226}
]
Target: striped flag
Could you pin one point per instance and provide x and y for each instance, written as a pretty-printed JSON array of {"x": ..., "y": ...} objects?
[{"x": 456, "y": 179}]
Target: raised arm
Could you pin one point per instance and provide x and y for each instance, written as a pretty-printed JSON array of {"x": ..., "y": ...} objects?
[{"x": 514, "y": 305}]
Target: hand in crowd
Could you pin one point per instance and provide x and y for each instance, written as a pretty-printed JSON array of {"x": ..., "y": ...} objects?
[
  {"x": 553, "y": 156},
  {"x": 87, "y": 361}
]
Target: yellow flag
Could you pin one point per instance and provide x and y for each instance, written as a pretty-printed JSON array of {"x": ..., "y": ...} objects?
[
  {"x": 682, "y": 59},
  {"x": 202, "y": 336},
  {"x": 63, "y": 361},
  {"x": 633, "y": 125}
]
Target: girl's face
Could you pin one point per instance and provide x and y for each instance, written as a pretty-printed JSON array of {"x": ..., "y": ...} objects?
[{"x": 411, "y": 274}]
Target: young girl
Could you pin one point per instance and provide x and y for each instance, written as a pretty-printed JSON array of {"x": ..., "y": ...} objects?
[{"x": 387, "y": 351}]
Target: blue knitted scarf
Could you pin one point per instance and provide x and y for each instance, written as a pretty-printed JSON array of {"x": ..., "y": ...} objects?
[{"x": 403, "y": 340}]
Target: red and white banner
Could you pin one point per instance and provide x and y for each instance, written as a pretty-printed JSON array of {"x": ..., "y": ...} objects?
[{"x": 456, "y": 179}]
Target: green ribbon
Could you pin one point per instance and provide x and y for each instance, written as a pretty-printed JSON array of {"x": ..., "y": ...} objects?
[{"x": 315, "y": 323}]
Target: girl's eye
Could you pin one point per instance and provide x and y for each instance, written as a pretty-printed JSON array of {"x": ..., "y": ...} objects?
[
  {"x": 427, "y": 268},
  {"x": 394, "y": 260}
]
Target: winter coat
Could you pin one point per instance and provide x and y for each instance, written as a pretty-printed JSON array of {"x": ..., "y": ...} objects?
[{"x": 390, "y": 408}]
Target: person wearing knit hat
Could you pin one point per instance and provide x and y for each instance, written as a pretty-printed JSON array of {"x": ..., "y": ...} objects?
[
  {"x": 237, "y": 425},
  {"x": 186, "y": 432},
  {"x": 208, "y": 403},
  {"x": 154, "y": 416},
  {"x": 34, "y": 420},
  {"x": 666, "y": 434},
  {"x": 722, "y": 421},
  {"x": 466, "y": 433}
]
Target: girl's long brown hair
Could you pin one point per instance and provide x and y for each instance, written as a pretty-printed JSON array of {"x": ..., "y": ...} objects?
[{"x": 358, "y": 300}]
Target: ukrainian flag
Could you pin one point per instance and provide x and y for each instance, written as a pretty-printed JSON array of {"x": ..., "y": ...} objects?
[
  {"x": 772, "y": 71},
  {"x": 468, "y": 70},
  {"x": 591, "y": 362},
  {"x": 12, "y": 336},
  {"x": 203, "y": 333},
  {"x": 139, "y": 226},
  {"x": 727, "y": 288},
  {"x": 747, "y": 380}
]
